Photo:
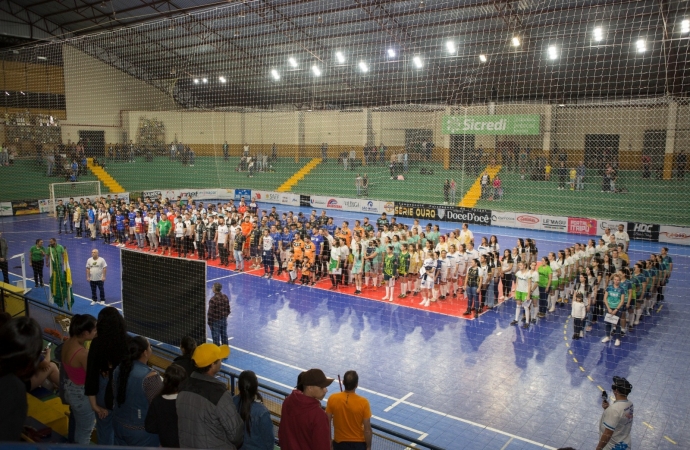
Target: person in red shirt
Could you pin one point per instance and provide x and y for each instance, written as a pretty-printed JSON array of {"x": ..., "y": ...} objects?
[{"x": 303, "y": 423}]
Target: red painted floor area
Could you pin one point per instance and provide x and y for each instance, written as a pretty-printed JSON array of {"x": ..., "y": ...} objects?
[{"x": 450, "y": 306}]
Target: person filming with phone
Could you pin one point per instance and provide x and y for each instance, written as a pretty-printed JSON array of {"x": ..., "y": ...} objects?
[{"x": 616, "y": 421}]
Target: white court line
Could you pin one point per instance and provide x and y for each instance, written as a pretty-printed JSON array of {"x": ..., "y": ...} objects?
[
  {"x": 226, "y": 276},
  {"x": 505, "y": 446},
  {"x": 397, "y": 425},
  {"x": 408, "y": 395}
]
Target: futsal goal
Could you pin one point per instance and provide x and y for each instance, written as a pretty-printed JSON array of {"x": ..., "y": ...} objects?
[{"x": 76, "y": 190}]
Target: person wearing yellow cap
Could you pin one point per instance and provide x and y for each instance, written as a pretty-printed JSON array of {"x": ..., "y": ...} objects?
[{"x": 207, "y": 417}]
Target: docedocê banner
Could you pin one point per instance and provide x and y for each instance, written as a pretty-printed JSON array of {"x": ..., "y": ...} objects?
[
  {"x": 674, "y": 235},
  {"x": 580, "y": 225}
]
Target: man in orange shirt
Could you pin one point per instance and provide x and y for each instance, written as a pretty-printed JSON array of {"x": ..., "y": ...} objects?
[
  {"x": 350, "y": 415},
  {"x": 246, "y": 229},
  {"x": 346, "y": 233},
  {"x": 298, "y": 250},
  {"x": 358, "y": 229}
]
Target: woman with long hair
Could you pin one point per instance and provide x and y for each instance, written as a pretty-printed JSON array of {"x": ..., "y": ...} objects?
[
  {"x": 472, "y": 282},
  {"x": 583, "y": 288},
  {"x": 136, "y": 385},
  {"x": 522, "y": 291},
  {"x": 555, "y": 265},
  {"x": 507, "y": 273},
  {"x": 483, "y": 248},
  {"x": 187, "y": 346},
  {"x": 161, "y": 418},
  {"x": 497, "y": 274},
  {"x": 258, "y": 427},
  {"x": 485, "y": 277},
  {"x": 334, "y": 264},
  {"x": 415, "y": 265},
  {"x": 105, "y": 353},
  {"x": 357, "y": 266},
  {"x": 82, "y": 328},
  {"x": 493, "y": 244}
]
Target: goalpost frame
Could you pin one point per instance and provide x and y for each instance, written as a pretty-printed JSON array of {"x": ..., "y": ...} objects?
[{"x": 73, "y": 186}]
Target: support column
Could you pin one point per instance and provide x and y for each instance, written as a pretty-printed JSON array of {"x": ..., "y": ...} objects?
[
  {"x": 546, "y": 143},
  {"x": 671, "y": 120},
  {"x": 446, "y": 144}
]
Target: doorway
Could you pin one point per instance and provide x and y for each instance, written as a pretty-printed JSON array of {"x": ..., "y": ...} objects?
[
  {"x": 654, "y": 146},
  {"x": 601, "y": 149},
  {"x": 94, "y": 143}
]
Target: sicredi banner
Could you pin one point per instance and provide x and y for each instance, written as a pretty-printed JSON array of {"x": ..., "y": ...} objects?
[
  {"x": 643, "y": 231},
  {"x": 580, "y": 225},
  {"x": 674, "y": 235},
  {"x": 513, "y": 125},
  {"x": 554, "y": 223}
]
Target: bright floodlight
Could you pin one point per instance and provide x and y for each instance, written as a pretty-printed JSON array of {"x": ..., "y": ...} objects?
[
  {"x": 598, "y": 34},
  {"x": 391, "y": 53},
  {"x": 205, "y": 80},
  {"x": 222, "y": 79},
  {"x": 516, "y": 41},
  {"x": 685, "y": 26},
  {"x": 553, "y": 53},
  {"x": 363, "y": 66},
  {"x": 275, "y": 74},
  {"x": 292, "y": 62},
  {"x": 482, "y": 58},
  {"x": 196, "y": 81},
  {"x": 417, "y": 62},
  {"x": 450, "y": 45},
  {"x": 340, "y": 57},
  {"x": 641, "y": 45},
  {"x": 316, "y": 70}
]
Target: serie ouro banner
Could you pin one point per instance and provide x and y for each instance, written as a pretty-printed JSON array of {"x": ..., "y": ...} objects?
[{"x": 445, "y": 213}]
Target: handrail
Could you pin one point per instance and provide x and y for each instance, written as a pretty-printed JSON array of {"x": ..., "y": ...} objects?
[{"x": 233, "y": 376}]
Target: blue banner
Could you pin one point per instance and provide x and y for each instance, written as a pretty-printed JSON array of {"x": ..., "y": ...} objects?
[{"x": 246, "y": 193}]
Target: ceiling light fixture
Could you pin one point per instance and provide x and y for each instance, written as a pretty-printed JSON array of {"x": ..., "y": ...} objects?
[
  {"x": 42, "y": 58},
  {"x": 418, "y": 62},
  {"x": 482, "y": 58},
  {"x": 685, "y": 26},
  {"x": 641, "y": 45},
  {"x": 516, "y": 41},
  {"x": 204, "y": 80},
  {"x": 222, "y": 79},
  {"x": 450, "y": 45},
  {"x": 391, "y": 53},
  {"x": 196, "y": 81},
  {"x": 340, "y": 57},
  {"x": 275, "y": 74},
  {"x": 316, "y": 70},
  {"x": 598, "y": 34},
  {"x": 363, "y": 66},
  {"x": 292, "y": 62},
  {"x": 553, "y": 52}
]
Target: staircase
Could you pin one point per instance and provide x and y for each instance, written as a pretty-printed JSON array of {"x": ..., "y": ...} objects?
[
  {"x": 294, "y": 179},
  {"x": 105, "y": 178}
]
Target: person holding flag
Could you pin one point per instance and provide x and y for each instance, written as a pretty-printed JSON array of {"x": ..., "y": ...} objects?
[{"x": 60, "y": 275}]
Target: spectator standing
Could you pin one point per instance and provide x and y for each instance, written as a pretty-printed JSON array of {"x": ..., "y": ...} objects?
[
  {"x": 61, "y": 214},
  {"x": 616, "y": 421},
  {"x": 245, "y": 152},
  {"x": 622, "y": 238},
  {"x": 453, "y": 189},
  {"x": 485, "y": 181},
  {"x": 187, "y": 346},
  {"x": 161, "y": 418},
  {"x": 135, "y": 385},
  {"x": 466, "y": 237},
  {"x": 207, "y": 417},
  {"x": 218, "y": 312},
  {"x": 38, "y": 256},
  {"x": 107, "y": 349},
  {"x": 19, "y": 353},
  {"x": 74, "y": 361},
  {"x": 303, "y": 423},
  {"x": 498, "y": 189},
  {"x": 324, "y": 152},
  {"x": 562, "y": 172},
  {"x": 226, "y": 151},
  {"x": 350, "y": 415},
  {"x": 365, "y": 185},
  {"x": 358, "y": 184},
  {"x": 96, "y": 268},
  {"x": 4, "y": 264},
  {"x": 258, "y": 427},
  {"x": 446, "y": 191},
  {"x": 580, "y": 176}
]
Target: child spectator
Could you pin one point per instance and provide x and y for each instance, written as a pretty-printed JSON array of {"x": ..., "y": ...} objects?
[
  {"x": 578, "y": 313},
  {"x": 162, "y": 416}
]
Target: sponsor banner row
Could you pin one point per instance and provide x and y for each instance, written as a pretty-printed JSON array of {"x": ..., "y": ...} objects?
[
  {"x": 443, "y": 212},
  {"x": 198, "y": 194},
  {"x": 46, "y": 205},
  {"x": 352, "y": 205},
  {"x": 561, "y": 224},
  {"x": 674, "y": 235}
]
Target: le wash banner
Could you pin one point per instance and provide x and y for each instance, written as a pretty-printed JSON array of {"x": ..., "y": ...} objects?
[{"x": 513, "y": 125}]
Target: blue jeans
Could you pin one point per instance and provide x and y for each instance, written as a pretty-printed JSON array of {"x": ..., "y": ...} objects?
[
  {"x": 80, "y": 409},
  {"x": 62, "y": 223},
  {"x": 472, "y": 297},
  {"x": 210, "y": 249},
  {"x": 239, "y": 260},
  {"x": 104, "y": 427},
  {"x": 219, "y": 332}
]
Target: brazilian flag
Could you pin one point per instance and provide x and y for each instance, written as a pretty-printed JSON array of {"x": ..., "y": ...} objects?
[{"x": 60, "y": 277}]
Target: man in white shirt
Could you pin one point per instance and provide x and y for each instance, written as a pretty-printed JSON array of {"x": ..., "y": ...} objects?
[
  {"x": 607, "y": 235},
  {"x": 222, "y": 241},
  {"x": 616, "y": 422},
  {"x": 95, "y": 274},
  {"x": 622, "y": 237}
]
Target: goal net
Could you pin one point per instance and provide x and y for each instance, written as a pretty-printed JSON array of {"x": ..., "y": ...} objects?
[{"x": 78, "y": 190}]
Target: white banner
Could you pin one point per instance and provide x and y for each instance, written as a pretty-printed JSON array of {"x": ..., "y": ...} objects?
[
  {"x": 194, "y": 194},
  {"x": 504, "y": 219},
  {"x": 281, "y": 198},
  {"x": 554, "y": 223},
  {"x": 530, "y": 221},
  {"x": 612, "y": 224},
  {"x": 6, "y": 209},
  {"x": 320, "y": 201},
  {"x": 46, "y": 205},
  {"x": 674, "y": 235}
]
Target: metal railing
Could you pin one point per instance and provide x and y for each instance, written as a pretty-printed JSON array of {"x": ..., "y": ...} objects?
[{"x": 55, "y": 325}]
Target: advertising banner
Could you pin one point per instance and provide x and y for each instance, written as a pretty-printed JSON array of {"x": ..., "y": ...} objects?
[
  {"x": 5, "y": 208},
  {"x": 153, "y": 195},
  {"x": 441, "y": 212},
  {"x": 612, "y": 224},
  {"x": 528, "y": 221},
  {"x": 281, "y": 198},
  {"x": 246, "y": 193},
  {"x": 23, "y": 207},
  {"x": 513, "y": 125},
  {"x": 503, "y": 219},
  {"x": 643, "y": 231},
  {"x": 321, "y": 201},
  {"x": 554, "y": 223},
  {"x": 579, "y": 225},
  {"x": 674, "y": 235},
  {"x": 304, "y": 200}
]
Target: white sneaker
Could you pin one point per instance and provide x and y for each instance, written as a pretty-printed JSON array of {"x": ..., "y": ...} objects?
[
  {"x": 582, "y": 334},
  {"x": 552, "y": 309},
  {"x": 93, "y": 302},
  {"x": 423, "y": 301},
  {"x": 617, "y": 343},
  {"x": 606, "y": 339},
  {"x": 384, "y": 298},
  {"x": 390, "y": 299}
]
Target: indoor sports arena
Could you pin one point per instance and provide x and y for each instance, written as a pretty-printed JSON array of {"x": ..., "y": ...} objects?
[{"x": 473, "y": 213}]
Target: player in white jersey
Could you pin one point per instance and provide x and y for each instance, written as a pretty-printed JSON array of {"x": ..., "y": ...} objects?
[
  {"x": 522, "y": 297},
  {"x": 222, "y": 241},
  {"x": 444, "y": 264},
  {"x": 569, "y": 269},
  {"x": 555, "y": 280},
  {"x": 463, "y": 265},
  {"x": 454, "y": 257},
  {"x": 266, "y": 244}
]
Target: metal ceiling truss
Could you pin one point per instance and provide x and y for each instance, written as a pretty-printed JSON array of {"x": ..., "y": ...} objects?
[{"x": 34, "y": 21}]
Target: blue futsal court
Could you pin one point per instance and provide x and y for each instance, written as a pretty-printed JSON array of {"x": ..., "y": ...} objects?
[{"x": 451, "y": 382}]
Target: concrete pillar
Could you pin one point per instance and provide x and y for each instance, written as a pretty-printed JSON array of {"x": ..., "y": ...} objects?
[
  {"x": 546, "y": 143},
  {"x": 671, "y": 120},
  {"x": 446, "y": 144}
]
